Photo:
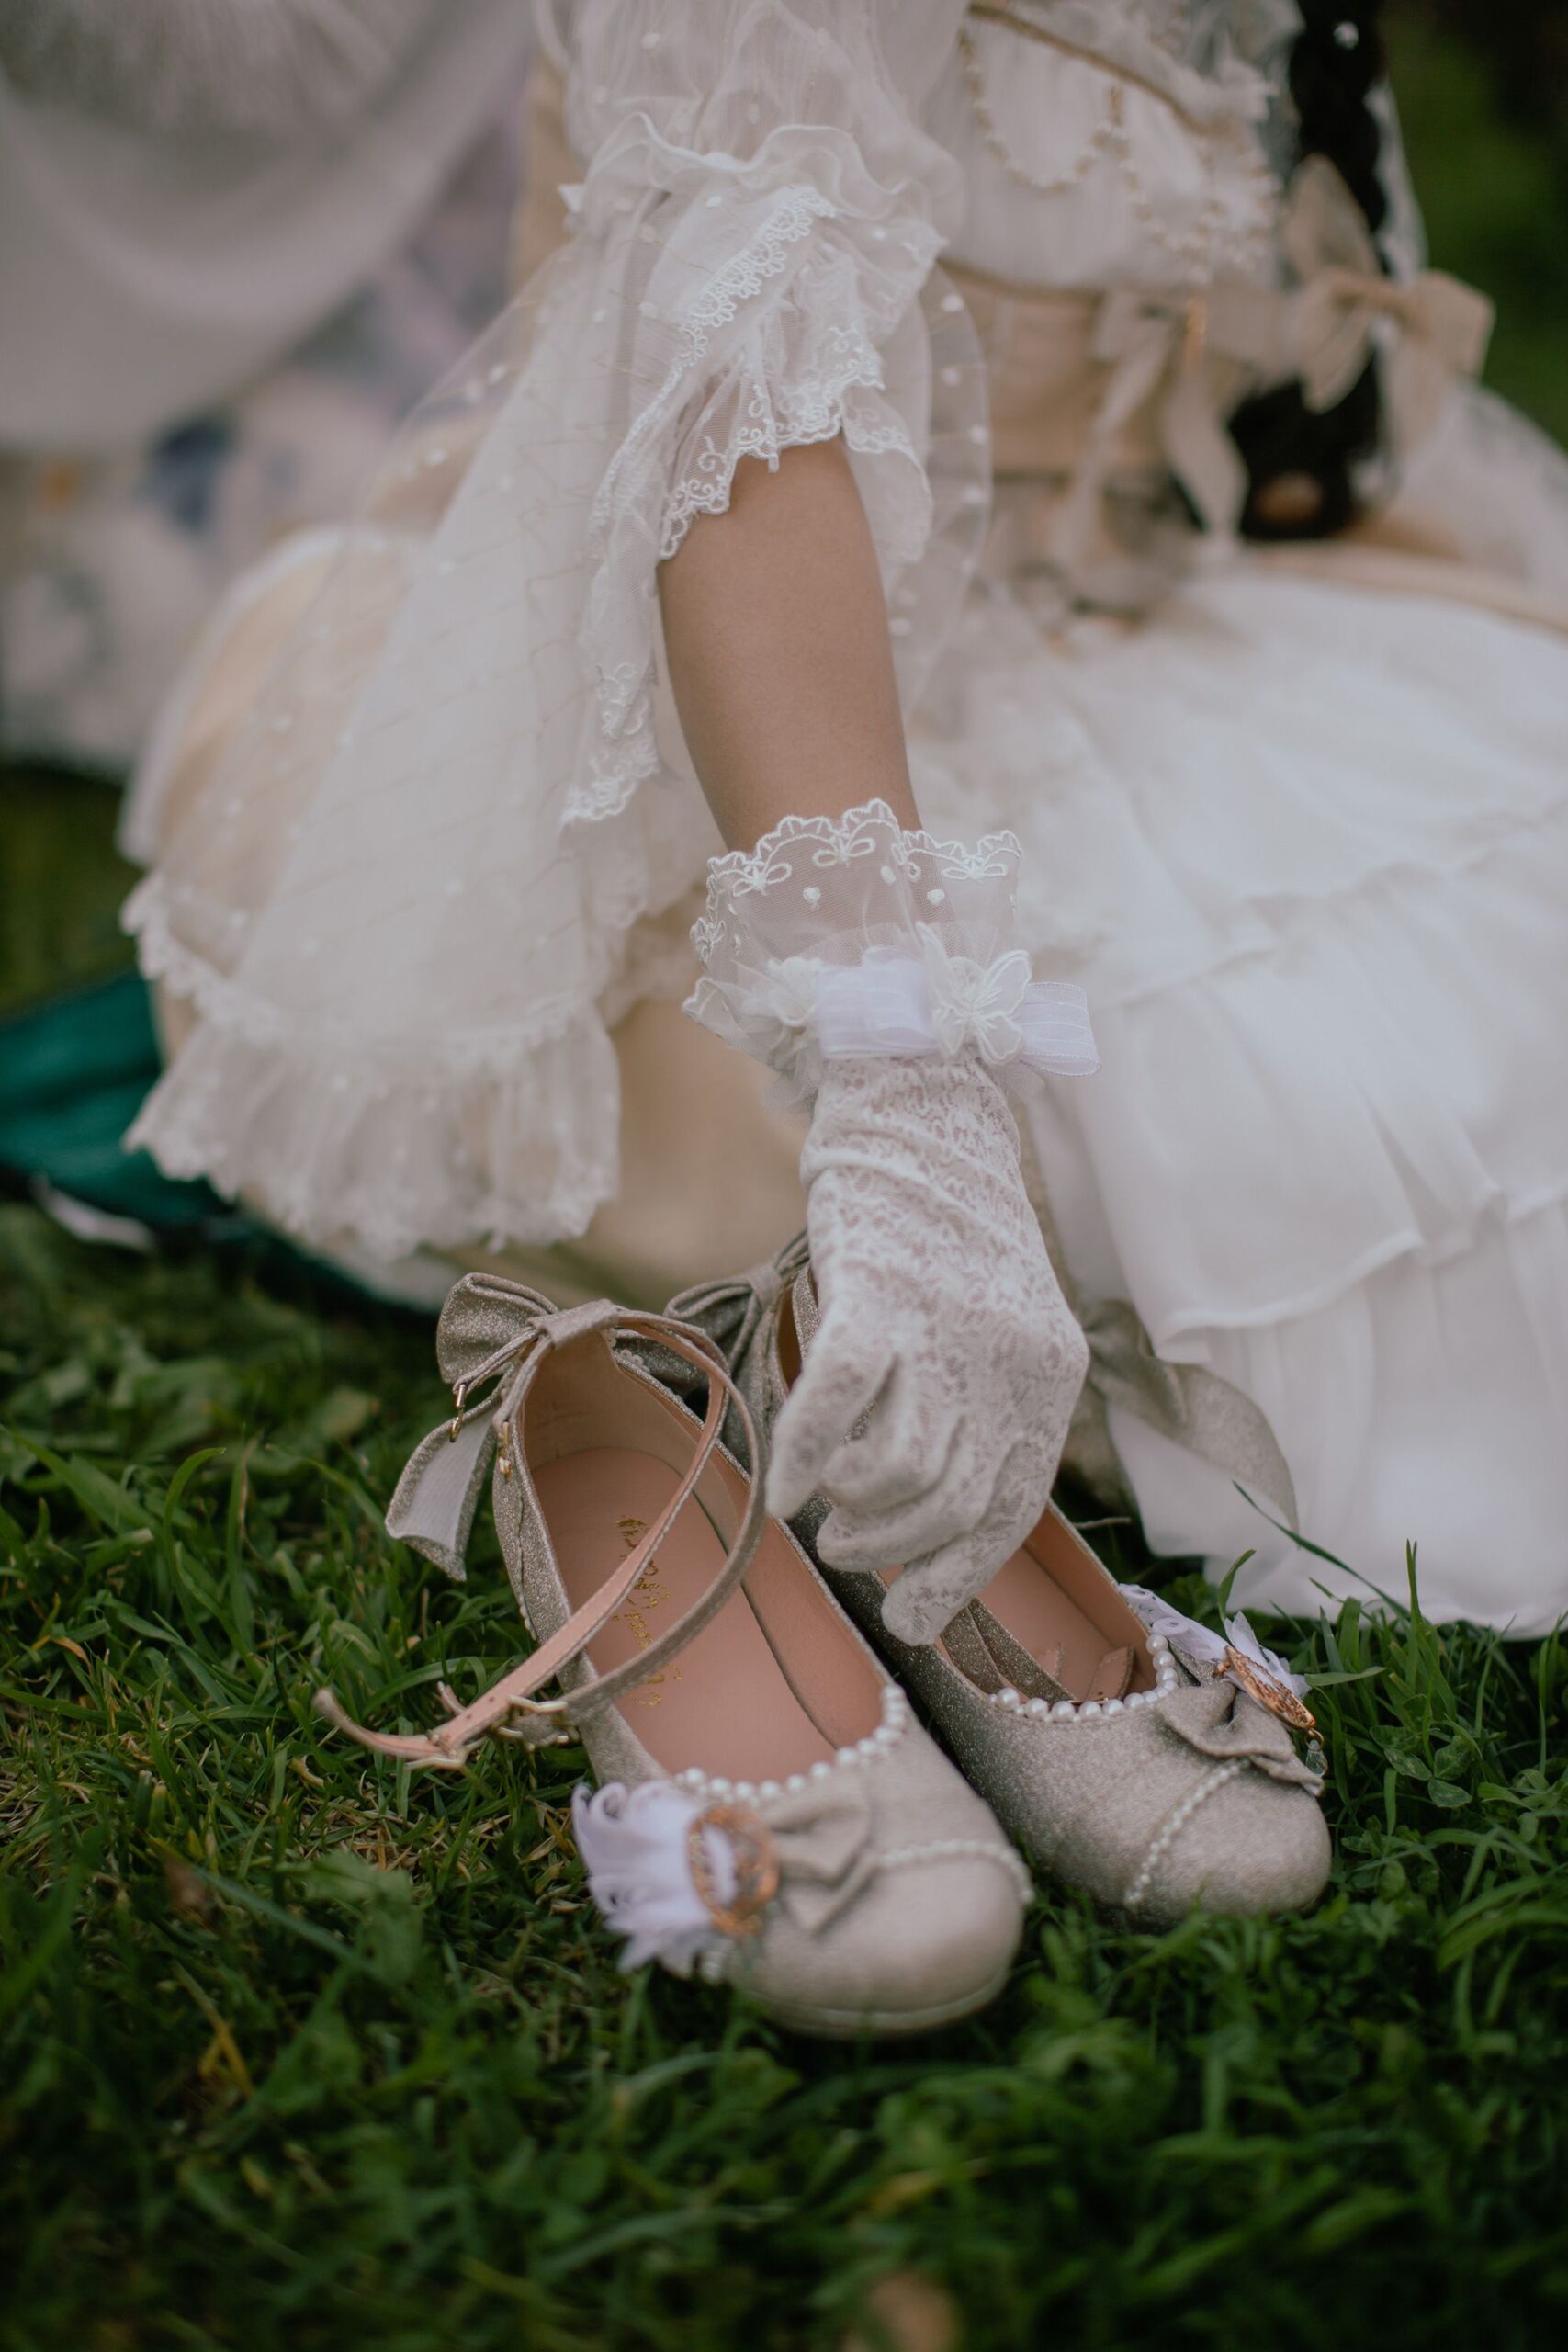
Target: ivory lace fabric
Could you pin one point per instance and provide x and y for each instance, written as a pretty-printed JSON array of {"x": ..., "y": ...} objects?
[
  {"x": 434, "y": 860},
  {"x": 945, "y": 1342},
  {"x": 1303, "y": 842}
]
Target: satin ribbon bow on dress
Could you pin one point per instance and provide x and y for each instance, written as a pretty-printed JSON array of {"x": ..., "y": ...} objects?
[
  {"x": 1194, "y": 356},
  {"x": 1442, "y": 326},
  {"x": 1196, "y": 1408}
]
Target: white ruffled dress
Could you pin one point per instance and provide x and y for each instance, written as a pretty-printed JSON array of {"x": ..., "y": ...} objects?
[{"x": 1301, "y": 836}]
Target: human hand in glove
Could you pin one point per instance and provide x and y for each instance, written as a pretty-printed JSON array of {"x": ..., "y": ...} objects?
[{"x": 932, "y": 1406}]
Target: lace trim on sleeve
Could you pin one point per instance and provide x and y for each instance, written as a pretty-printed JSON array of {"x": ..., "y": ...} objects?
[{"x": 806, "y": 323}]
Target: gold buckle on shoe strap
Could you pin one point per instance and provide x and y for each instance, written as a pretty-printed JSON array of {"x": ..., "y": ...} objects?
[
  {"x": 1261, "y": 1686},
  {"x": 448, "y": 1749},
  {"x": 528, "y": 1735},
  {"x": 756, "y": 1861},
  {"x": 1293, "y": 1713}
]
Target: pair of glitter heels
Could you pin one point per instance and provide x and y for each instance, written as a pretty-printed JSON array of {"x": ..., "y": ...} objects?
[{"x": 769, "y": 1811}]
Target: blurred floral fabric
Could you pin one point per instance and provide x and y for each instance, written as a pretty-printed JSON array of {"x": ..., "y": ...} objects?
[{"x": 113, "y": 564}]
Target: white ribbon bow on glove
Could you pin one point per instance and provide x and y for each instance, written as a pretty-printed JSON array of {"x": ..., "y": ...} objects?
[
  {"x": 975, "y": 1005},
  {"x": 952, "y": 1004}
]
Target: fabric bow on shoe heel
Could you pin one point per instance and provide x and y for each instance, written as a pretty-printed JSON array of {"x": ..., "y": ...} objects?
[{"x": 496, "y": 1331}]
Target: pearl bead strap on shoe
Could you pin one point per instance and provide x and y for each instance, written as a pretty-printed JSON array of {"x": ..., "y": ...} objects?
[
  {"x": 1209, "y": 1785},
  {"x": 1065, "y": 1711},
  {"x": 949, "y": 1849},
  {"x": 880, "y": 1742}
]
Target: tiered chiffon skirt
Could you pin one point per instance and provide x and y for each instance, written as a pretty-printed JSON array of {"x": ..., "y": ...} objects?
[{"x": 1306, "y": 846}]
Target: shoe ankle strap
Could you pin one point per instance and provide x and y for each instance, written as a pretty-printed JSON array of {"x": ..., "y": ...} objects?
[{"x": 501, "y": 1331}]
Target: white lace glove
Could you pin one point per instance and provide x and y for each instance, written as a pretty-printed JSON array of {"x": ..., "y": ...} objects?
[
  {"x": 942, "y": 1325},
  {"x": 876, "y": 968}
]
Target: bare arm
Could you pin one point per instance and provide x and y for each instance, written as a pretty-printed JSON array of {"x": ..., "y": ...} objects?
[
  {"x": 776, "y": 633},
  {"x": 782, "y": 665}
]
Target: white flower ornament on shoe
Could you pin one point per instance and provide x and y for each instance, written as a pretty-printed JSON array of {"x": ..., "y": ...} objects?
[
  {"x": 669, "y": 1874},
  {"x": 1239, "y": 1657},
  {"x": 677, "y": 1869}
]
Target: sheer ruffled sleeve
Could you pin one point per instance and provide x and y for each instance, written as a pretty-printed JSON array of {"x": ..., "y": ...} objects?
[
  {"x": 764, "y": 214},
  {"x": 436, "y": 861}
]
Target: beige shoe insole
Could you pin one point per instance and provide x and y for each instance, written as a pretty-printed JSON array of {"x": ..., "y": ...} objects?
[
  {"x": 1028, "y": 1595},
  {"x": 1043, "y": 1618},
  {"x": 723, "y": 1703}
]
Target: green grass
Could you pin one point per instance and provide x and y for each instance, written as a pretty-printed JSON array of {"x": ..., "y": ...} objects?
[{"x": 299, "y": 2051}]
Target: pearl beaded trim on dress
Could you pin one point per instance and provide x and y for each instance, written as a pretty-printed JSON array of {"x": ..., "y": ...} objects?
[{"x": 1223, "y": 239}]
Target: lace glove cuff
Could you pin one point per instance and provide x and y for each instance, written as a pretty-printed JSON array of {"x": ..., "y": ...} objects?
[{"x": 842, "y": 937}]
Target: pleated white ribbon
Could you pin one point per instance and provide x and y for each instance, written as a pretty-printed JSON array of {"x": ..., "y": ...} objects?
[{"x": 892, "y": 1004}]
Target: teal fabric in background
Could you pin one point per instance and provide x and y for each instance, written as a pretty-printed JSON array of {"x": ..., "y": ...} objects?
[{"x": 73, "y": 1071}]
